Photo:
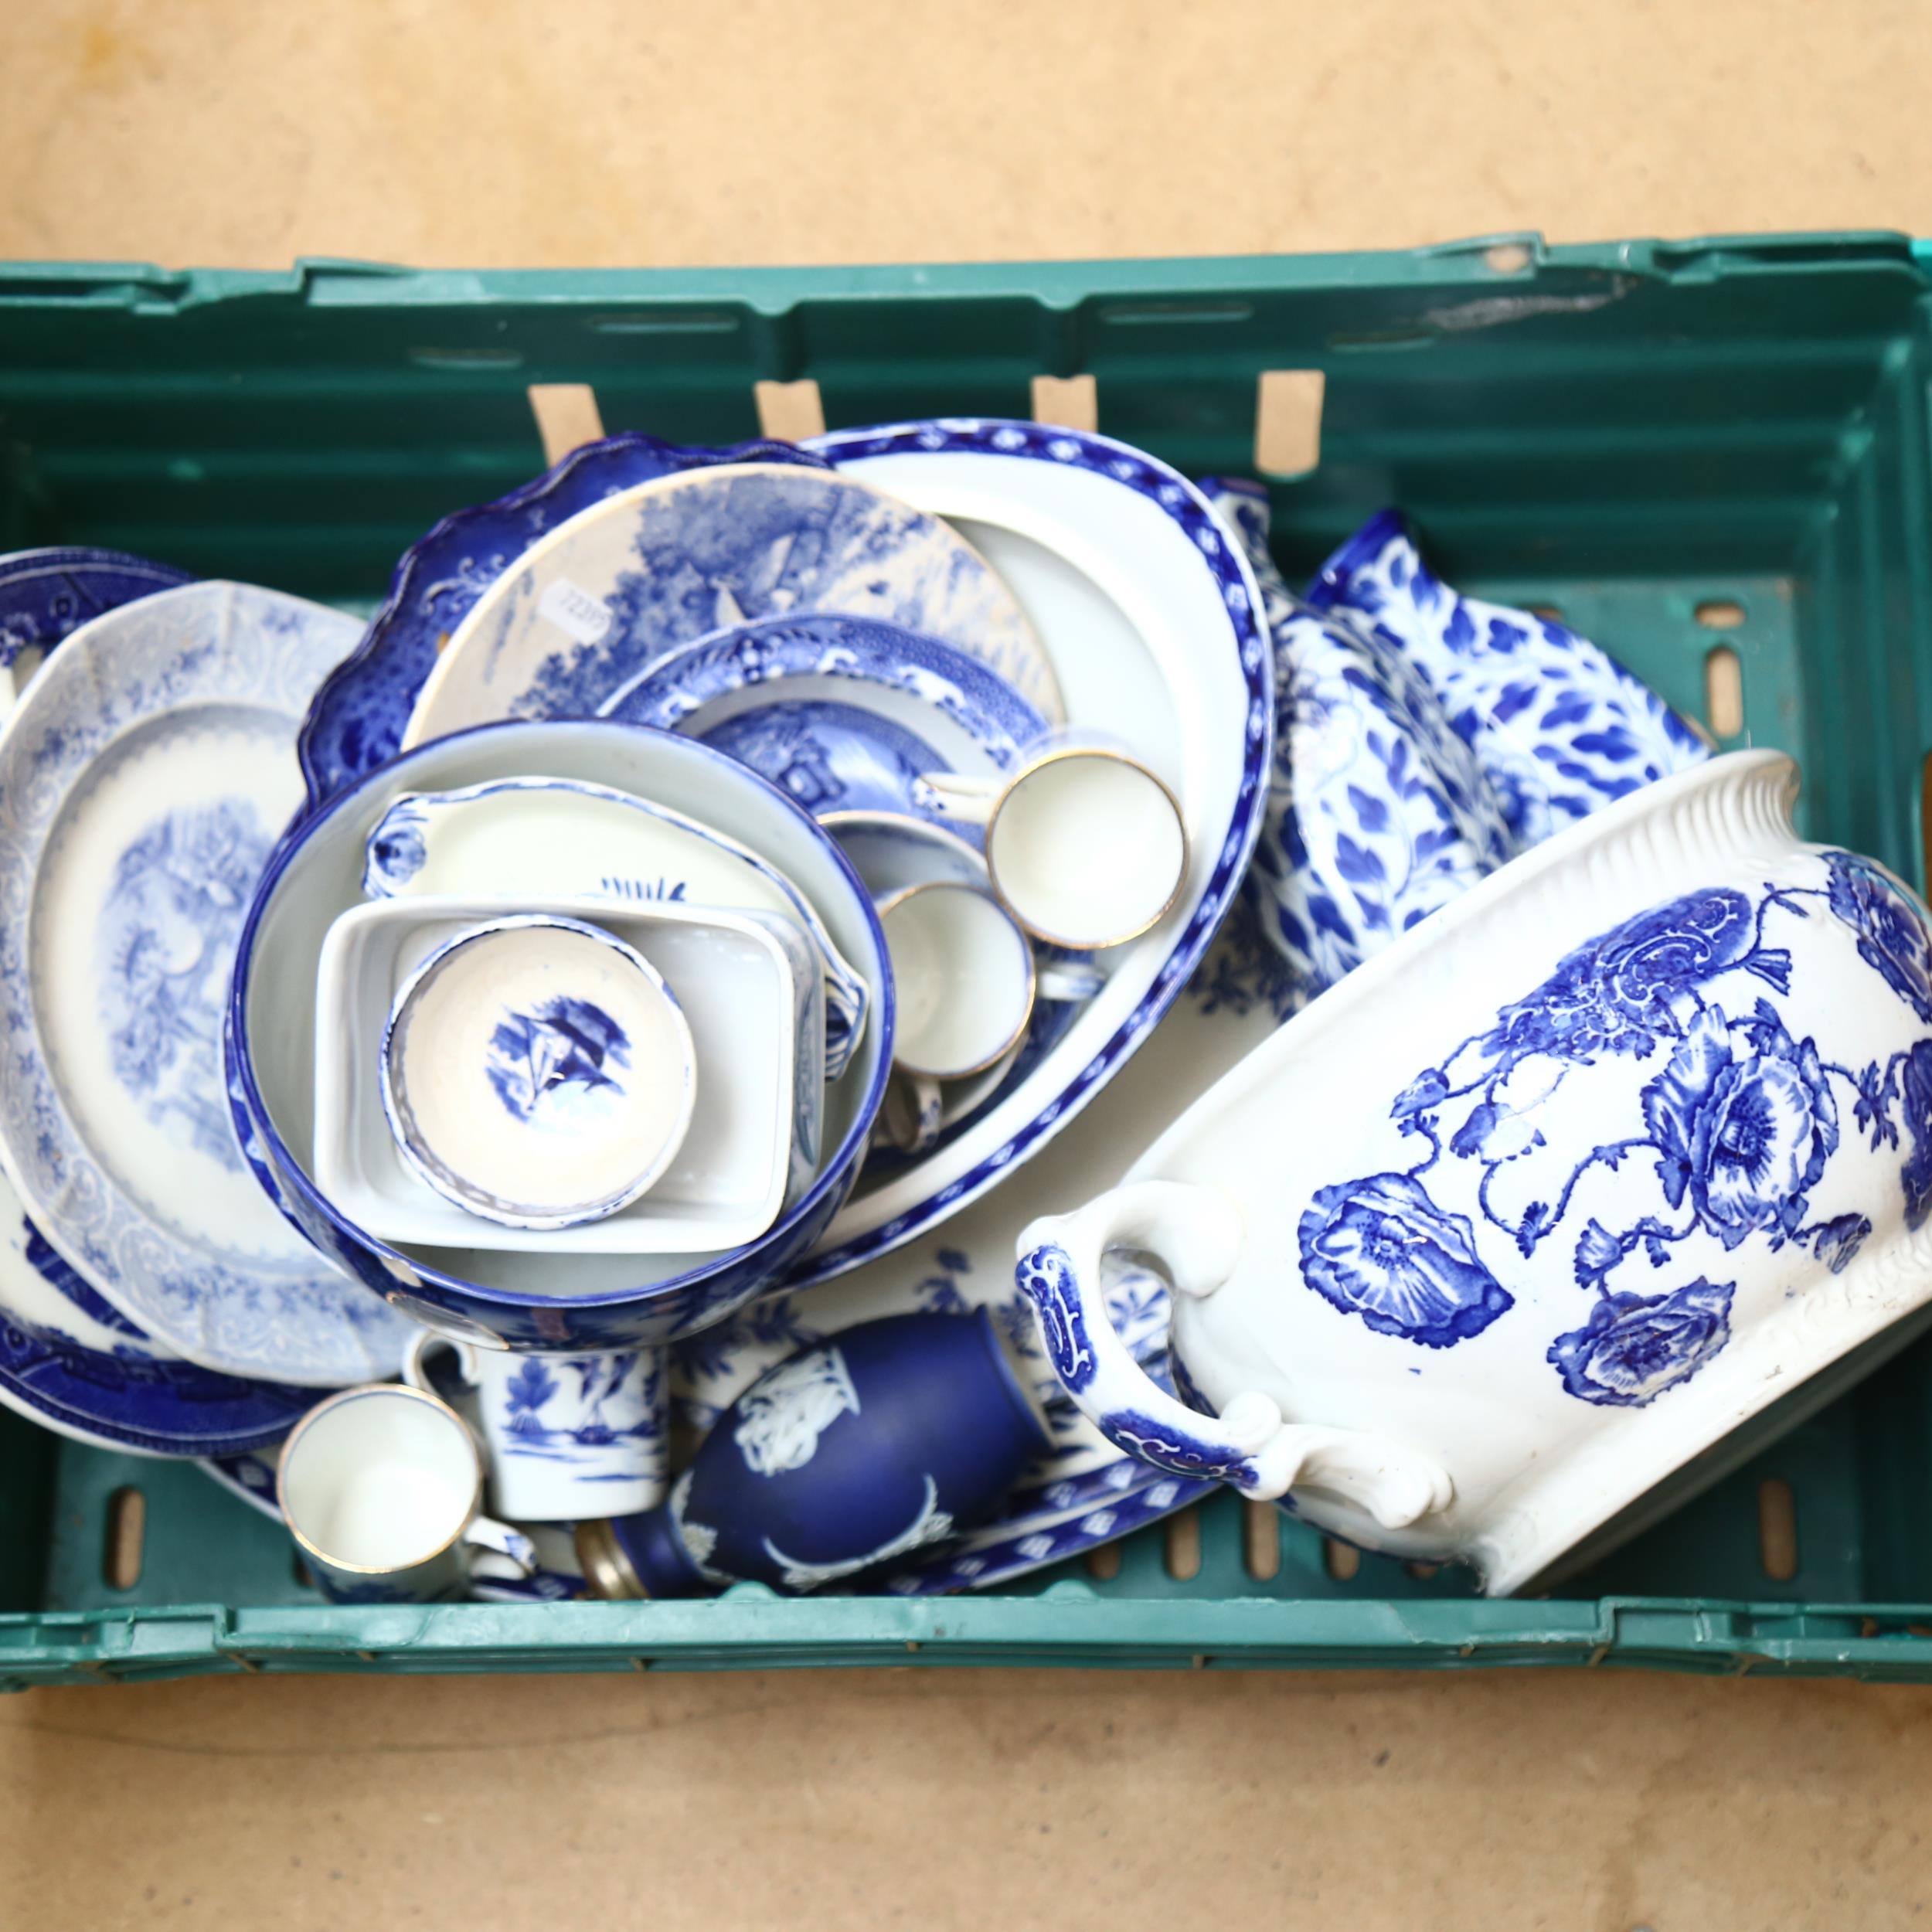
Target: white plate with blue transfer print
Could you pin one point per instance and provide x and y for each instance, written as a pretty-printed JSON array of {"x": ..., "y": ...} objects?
[
  {"x": 146, "y": 773},
  {"x": 606, "y": 594},
  {"x": 46, "y": 595},
  {"x": 841, "y": 714},
  {"x": 76, "y": 1365}
]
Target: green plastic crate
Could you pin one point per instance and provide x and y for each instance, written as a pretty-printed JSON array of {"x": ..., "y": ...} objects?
[{"x": 1626, "y": 432}]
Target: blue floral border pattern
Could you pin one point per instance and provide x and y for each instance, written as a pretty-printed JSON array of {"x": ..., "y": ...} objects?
[
  {"x": 1180, "y": 500},
  {"x": 46, "y": 595},
  {"x": 1738, "y": 1123}
]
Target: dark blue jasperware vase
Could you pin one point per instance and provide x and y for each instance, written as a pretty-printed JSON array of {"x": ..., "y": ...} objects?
[{"x": 880, "y": 1440}]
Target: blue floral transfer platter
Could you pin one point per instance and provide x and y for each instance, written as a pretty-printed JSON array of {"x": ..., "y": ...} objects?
[
  {"x": 362, "y": 709},
  {"x": 1630, "y": 1142},
  {"x": 603, "y": 597},
  {"x": 1560, "y": 727},
  {"x": 841, "y": 713},
  {"x": 148, "y": 769},
  {"x": 45, "y": 594},
  {"x": 74, "y": 1363},
  {"x": 1379, "y": 813}
]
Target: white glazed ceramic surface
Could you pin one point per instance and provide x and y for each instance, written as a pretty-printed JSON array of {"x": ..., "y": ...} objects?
[
  {"x": 608, "y": 592},
  {"x": 750, "y": 987},
  {"x": 380, "y": 1487},
  {"x": 540, "y": 835},
  {"x": 965, "y": 976},
  {"x": 1542, "y": 1204},
  {"x": 144, "y": 778},
  {"x": 577, "y": 1040},
  {"x": 568, "y": 1436},
  {"x": 1150, "y": 615}
]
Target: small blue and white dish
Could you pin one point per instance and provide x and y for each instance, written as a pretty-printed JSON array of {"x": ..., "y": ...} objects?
[
  {"x": 147, "y": 769},
  {"x": 545, "y": 836},
  {"x": 536, "y": 1070},
  {"x": 75, "y": 1364},
  {"x": 46, "y": 594},
  {"x": 1377, "y": 813},
  {"x": 844, "y": 714},
  {"x": 1558, "y": 726},
  {"x": 603, "y": 597},
  {"x": 887, "y": 1439},
  {"x": 361, "y": 712}
]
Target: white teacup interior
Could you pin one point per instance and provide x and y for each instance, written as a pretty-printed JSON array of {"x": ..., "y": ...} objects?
[
  {"x": 1087, "y": 848},
  {"x": 380, "y": 1479},
  {"x": 540, "y": 1068},
  {"x": 962, "y": 975}
]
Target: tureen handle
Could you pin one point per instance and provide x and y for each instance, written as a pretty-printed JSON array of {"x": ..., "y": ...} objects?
[{"x": 1196, "y": 1234}]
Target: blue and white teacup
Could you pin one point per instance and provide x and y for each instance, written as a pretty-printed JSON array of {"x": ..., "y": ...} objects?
[
  {"x": 382, "y": 1487},
  {"x": 568, "y": 1436}
]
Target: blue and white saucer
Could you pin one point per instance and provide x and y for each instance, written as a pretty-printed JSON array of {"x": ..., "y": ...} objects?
[
  {"x": 842, "y": 714},
  {"x": 45, "y": 594},
  {"x": 144, "y": 776},
  {"x": 73, "y": 1363}
]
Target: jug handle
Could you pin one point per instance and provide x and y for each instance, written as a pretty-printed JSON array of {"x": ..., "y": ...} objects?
[{"x": 1196, "y": 1234}]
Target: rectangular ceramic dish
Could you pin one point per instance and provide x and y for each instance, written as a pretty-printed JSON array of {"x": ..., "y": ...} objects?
[{"x": 1711, "y": 456}]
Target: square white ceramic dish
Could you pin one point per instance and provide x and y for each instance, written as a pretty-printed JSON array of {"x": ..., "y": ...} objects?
[{"x": 751, "y": 992}]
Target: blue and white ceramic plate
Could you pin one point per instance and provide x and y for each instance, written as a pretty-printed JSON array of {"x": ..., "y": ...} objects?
[
  {"x": 605, "y": 596},
  {"x": 144, "y": 777},
  {"x": 1558, "y": 726},
  {"x": 1152, "y": 617},
  {"x": 558, "y": 1577},
  {"x": 359, "y": 716},
  {"x": 841, "y": 713},
  {"x": 45, "y": 594},
  {"x": 1378, "y": 812},
  {"x": 75, "y": 1364}
]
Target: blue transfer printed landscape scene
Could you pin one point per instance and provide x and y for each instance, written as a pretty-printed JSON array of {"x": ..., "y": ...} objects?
[{"x": 165, "y": 943}]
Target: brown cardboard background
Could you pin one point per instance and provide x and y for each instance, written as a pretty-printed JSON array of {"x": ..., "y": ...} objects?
[{"x": 497, "y": 132}]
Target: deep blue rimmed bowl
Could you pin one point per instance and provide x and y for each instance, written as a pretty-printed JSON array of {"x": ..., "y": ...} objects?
[{"x": 533, "y": 1301}]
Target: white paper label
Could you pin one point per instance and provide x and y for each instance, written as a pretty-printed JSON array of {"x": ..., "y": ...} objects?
[{"x": 573, "y": 609}]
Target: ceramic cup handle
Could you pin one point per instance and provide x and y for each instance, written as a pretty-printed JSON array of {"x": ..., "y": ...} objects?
[
  {"x": 1068, "y": 979},
  {"x": 967, "y": 798},
  {"x": 419, "y": 1345},
  {"x": 1196, "y": 1234},
  {"x": 499, "y": 1549}
]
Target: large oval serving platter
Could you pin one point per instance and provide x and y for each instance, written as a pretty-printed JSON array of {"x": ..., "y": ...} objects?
[
  {"x": 1153, "y": 619},
  {"x": 147, "y": 770}
]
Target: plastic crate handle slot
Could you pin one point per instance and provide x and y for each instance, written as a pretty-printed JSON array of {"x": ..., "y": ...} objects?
[{"x": 1195, "y": 1233}]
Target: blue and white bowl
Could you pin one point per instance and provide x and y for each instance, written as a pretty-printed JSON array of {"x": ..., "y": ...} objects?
[{"x": 566, "y": 1304}]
